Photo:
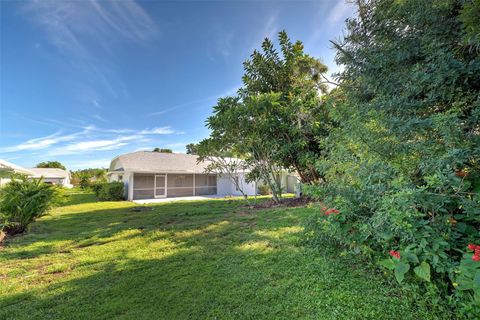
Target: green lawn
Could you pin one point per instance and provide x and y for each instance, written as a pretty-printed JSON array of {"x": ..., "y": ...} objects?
[{"x": 185, "y": 260}]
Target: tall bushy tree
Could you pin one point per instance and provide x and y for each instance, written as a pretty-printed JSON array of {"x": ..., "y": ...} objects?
[
  {"x": 51, "y": 164},
  {"x": 278, "y": 118},
  {"x": 404, "y": 164},
  {"x": 192, "y": 148},
  {"x": 301, "y": 119}
]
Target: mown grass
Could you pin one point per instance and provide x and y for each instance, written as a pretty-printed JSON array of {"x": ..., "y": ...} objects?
[{"x": 185, "y": 260}]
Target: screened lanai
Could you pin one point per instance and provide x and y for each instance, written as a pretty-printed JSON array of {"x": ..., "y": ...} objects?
[{"x": 159, "y": 185}]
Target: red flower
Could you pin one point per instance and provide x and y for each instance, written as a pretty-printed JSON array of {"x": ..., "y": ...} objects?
[
  {"x": 476, "y": 257},
  {"x": 471, "y": 246},
  {"x": 395, "y": 254},
  {"x": 330, "y": 211},
  {"x": 324, "y": 209},
  {"x": 461, "y": 173}
]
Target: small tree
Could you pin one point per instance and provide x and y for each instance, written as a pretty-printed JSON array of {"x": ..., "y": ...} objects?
[
  {"x": 221, "y": 161},
  {"x": 24, "y": 200},
  {"x": 51, "y": 164},
  {"x": 245, "y": 126},
  {"x": 162, "y": 150},
  {"x": 192, "y": 148}
]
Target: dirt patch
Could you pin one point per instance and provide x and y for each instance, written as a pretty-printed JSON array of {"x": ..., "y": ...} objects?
[
  {"x": 140, "y": 209},
  {"x": 3, "y": 235},
  {"x": 284, "y": 203}
]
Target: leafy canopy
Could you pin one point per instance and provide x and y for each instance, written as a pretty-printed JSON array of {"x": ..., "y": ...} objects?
[{"x": 50, "y": 164}]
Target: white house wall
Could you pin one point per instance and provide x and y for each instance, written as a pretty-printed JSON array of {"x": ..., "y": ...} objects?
[{"x": 225, "y": 186}]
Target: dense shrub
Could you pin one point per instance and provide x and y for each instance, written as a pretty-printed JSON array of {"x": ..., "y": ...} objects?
[
  {"x": 264, "y": 190},
  {"x": 22, "y": 201},
  {"x": 403, "y": 165},
  {"x": 109, "y": 191},
  {"x": 96, "y": 187}
]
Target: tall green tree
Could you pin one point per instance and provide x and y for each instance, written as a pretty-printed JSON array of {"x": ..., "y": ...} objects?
[
  {"x": 403, "y": 164},
  {"x": 278, "y": 119},
  {"x": 192, "y": 148},
  {"x": 243, "y": 127},
  {"x": 301, "y": 117},
  {"x": 50, "y": 164}
]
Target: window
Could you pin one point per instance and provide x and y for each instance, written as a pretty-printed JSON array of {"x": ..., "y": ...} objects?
[{"x": 120, "y": 178}]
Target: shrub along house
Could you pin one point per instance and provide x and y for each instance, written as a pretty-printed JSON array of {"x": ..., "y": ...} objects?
[{"x": 150, "y": 175}]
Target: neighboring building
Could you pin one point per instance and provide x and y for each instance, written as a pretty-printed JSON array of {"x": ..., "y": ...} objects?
[
  {"x": 150, "y": 175},
  {"x": 52, "y": 175},
  {"x": 8, "y": 168}
]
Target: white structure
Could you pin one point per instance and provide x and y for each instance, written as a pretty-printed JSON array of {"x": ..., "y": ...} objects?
[
  {"x": 7, "y": 169},
  {"x": 52, "y": 175},
  {"x": 150, "y": 175}
]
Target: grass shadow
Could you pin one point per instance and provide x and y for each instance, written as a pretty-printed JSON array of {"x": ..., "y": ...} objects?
[{"x": 185, "y": 260}]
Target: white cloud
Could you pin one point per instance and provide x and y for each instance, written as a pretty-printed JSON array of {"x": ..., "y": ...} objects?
[
  {"x": 72, "y": 26},
  {"x": 89, "y": 139},
  {"x": 87, "y": 34},
  {"x": 40, "y": 143},
  {"x": 176, "y": 145},
  {"x": 339, "y": 12},
  {"x": 97, "y": 163},
  {"x": 160, "y": 130},
  {"x": 213, "y": 98},
  {"x": 98, "y": 145}
]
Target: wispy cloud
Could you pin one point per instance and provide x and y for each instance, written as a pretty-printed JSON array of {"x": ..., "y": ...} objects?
[
  {"x": 213, "y": 98},
  {"x": 97, "y": 163},
  {"x": 41, "y": 143},
  {"x": 76, "y": 26},
  {"x": 160, "y": 130},
  {"x": 330, "y": 19},
  {"x": 340, "y": 12},
  {"x": 89, "y": 139},
  {"x": 85, "y": 33}
]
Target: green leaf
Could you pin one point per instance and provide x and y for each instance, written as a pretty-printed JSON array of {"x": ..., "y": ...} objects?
[
  {"x": 423, "y": 271},
  {"x": 411, "y": 257},
  {"x": 476, "y": 280},
  {"x": 387, "y": 263},
  {"x": 400, "y": 269}
]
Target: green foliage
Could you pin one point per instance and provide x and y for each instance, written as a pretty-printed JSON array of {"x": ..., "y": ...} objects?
[
  {"x": 403, "y": 164},
  {"x": 470, "y": 17},
  {"x": 51, "y": 164},
  {"x": 278, "y": 118},
  {"x": 109, "y": 191},
  {"x": 264, "y": 190},
  {"x": 84, "y": 180},
  {"x": 215, "y": 262},
  {"x": 298, "y": 121},
  {"x": 96, "y": 187},
  {"x": 467, "y": 283},
  {"x": 85, "y": 177},
  {"x": 162, "y": 150},
  {"x": 23, "y": 200},
  {"x": 192, "y": 148}
]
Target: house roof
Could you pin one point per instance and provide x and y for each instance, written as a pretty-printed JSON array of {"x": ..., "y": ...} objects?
[
  {"x": 7, "y": 168},
  {"x": 49, "y": 173},
  {"x": 149, "y": 161}
]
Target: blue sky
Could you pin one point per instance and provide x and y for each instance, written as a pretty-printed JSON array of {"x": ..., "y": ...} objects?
[{"x": 84, "y": 81}]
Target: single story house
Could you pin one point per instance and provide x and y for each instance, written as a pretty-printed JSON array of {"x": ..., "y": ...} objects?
[
  {"x": 8, "y": 168},
  {"x": 150, "y": 175},
  {"x": 52, "y": 175}
]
